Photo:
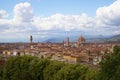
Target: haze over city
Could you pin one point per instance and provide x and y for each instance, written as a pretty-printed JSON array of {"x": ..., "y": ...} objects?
[{"x": 46, "y": 19}]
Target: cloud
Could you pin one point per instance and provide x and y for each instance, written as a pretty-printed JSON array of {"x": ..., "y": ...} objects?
[
  {"x": 108, "y": 18},
  {"x": 23, "y": 12},
  {"x": 63, "y": 22},
  {"x": 3, "y": 14},
  {"x": 24, "y": 22},
  {"x": 109, "y": 15},
  {"x": 20, "y": 23}
]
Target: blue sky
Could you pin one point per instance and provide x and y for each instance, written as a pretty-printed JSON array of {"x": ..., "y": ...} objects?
[
  {"x": 50, "y": 7},
  {"x": 46, "y": 18}
]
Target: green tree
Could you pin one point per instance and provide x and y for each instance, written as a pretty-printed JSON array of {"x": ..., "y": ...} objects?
[
  {"x": 110, "y": 66},
  {"x": 72, "y": 72},
  {"x": 24, "y": 68},
  {"x": 16, "y": 68},
  {"x": 1, "y": 72},
  {"x": 37, "y": 67},
  {"x": 91, "y": 74},
  {"x": 52, "y": 69},
  {"x": 33, "y": 68}
]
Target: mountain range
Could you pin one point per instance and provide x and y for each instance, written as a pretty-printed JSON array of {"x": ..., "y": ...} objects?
[
  {"x": 115, "y": 38},
  {"x": 100, "y": 38}
]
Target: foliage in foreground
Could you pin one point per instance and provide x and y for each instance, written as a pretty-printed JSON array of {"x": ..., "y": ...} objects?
[
  {"x": 110, "y": 66},
  {"x": 34, "y": 68}
]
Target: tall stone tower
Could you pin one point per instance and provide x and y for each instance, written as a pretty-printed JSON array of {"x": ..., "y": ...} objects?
[{"x": 31, "y": 39}]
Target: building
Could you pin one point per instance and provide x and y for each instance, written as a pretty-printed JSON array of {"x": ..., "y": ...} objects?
[
  {"x": 31, "y": 39},
  {"x": 81, "y": 39}
]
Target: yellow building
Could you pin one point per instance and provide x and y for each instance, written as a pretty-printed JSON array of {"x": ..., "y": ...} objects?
[{"x": 76, "y": 58}]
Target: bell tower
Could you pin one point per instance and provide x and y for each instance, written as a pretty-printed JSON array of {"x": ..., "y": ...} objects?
[{"x": 31, "y": 39}]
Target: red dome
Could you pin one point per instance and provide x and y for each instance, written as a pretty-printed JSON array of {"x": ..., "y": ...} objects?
[{"x": 81, "y": 39}]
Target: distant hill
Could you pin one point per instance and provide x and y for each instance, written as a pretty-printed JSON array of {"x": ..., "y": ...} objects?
[
  {"x": 115, "y": 38},
  {"x": 53, "y": 40}
]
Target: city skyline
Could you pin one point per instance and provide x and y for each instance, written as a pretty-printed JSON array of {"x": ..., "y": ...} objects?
[{"x": 45, "y": 19}]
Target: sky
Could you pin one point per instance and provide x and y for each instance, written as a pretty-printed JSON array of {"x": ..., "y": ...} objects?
[{"x": 44, "y": 19}]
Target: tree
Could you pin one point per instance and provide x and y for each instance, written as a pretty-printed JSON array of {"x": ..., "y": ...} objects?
[
  {"x": 37, "y": 67},
  {"x": 52, "y": 69},
  {"x": 34, "y": 68},
  {"x": 1, "y": 72},
  {"x": 72, "y": 72},
  {"x": 17, "y": 68},
  {"x": 24, "y": 68},
  {"x": 110, "y": 66},
  {"x": 91, "y": 74}
]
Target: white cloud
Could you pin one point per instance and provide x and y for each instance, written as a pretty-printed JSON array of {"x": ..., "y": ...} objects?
[
  {"x": 106, "y": 21},
  {"x": 23, "y": 12},
  {"x": 20, "y": 23},
  {"x": 63, "y": 22},
  {"x": 3, "y": 14},
  {"x": 108, "y": 18},
  {"x": 109, "y": 15}
]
